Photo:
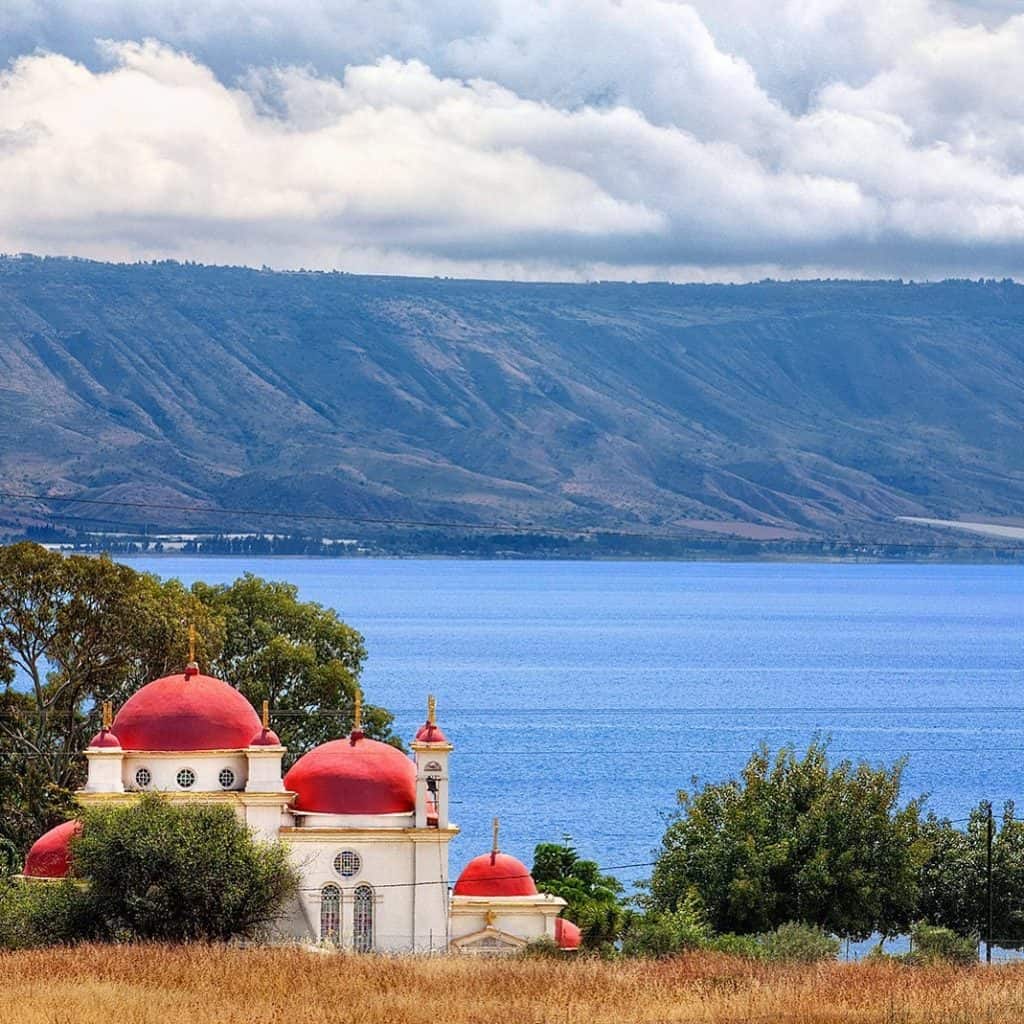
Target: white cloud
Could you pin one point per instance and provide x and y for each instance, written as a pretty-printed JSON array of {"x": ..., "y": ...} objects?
[{"x": 567, "y": 138}]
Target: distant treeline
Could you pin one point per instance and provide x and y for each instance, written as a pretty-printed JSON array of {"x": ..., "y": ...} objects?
[{"x": 412, "y": 543}]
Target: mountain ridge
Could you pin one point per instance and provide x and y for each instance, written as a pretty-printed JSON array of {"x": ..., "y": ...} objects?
[{"x": 808, "y": 408}]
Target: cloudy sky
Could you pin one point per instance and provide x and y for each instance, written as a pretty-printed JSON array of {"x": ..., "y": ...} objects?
[{"x": 568, "y": 139}]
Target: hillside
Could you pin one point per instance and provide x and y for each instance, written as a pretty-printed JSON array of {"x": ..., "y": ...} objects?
[{"x": 809, "y": 409}]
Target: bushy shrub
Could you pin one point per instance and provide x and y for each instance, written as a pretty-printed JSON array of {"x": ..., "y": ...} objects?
[
  {"x": 179, "y": 873},
  {"x": 46, "y": 914},
  {"x": 799, "y": 943},
  {"x": 542, "y": 949},
  {"x": 929, "y": 944},
  {"x": 666, "y": 932},
  {"x": 749, "y": 946}
]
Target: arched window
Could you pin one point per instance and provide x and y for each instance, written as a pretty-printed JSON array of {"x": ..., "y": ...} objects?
[
  {"x": 362, "y": 919},
  {"x": 330, "y": 914}
]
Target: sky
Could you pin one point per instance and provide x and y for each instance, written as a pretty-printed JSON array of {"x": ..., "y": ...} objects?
[{"x": 721, "y": 140}]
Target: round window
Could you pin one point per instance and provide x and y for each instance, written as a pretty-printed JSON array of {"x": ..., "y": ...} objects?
[
  {"x": 143, "y": 778},
  {"x": 347, "y": 863},
  {"x": 186, "y": 778},
  {"x": 226, "y": 778}
]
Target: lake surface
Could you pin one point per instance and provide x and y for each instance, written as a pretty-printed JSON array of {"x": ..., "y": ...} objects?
[{"x": 581, "y": 696}]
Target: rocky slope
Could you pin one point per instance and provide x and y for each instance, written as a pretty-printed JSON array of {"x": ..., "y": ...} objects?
[{"x": 810, "y": 409}]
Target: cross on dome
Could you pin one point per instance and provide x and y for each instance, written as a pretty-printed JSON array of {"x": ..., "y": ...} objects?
[
  {"x": 192, "y": 668},
  {"x": 357, "y": 717}
]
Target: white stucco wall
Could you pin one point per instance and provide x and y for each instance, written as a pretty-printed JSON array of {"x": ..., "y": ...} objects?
[
  {"x": 164, "y": 768},
  {"x": 407, "y": 870}
]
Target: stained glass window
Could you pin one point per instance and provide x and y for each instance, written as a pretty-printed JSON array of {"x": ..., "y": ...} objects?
[
  {"x": 362, "y": 919},
  {"x": 330, "y": 914}
]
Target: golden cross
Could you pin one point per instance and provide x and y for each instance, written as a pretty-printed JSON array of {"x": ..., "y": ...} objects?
[
  {"x": 191, "y": 642},
  {"x": 431, "y": 710},
  {"x": 357, "y": 712}
]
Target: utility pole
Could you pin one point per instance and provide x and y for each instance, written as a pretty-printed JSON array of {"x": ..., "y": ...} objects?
[{"x": 988, "y": 882}]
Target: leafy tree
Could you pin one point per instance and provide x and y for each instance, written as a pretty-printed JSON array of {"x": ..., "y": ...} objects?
[
  {"x": 795, "y": 840},
  {"x": 74, "y": 631},
  {"x": 182, "y": 872},
  {"x": 595, "y": 902},
  {"x": 296, "y": 654},
  {"x": 9, "y": 859},
  {"x": 953, "y": 887}
]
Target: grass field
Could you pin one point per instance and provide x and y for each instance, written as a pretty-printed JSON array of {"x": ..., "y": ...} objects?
[{"x": 203, "y": 985}]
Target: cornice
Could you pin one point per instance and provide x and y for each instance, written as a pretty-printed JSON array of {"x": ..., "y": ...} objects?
[
  {"x": 227, "y": 796},
  {"x": 383, "y": 835}
]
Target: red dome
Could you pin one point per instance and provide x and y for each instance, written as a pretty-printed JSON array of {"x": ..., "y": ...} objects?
[
  {"x": 495, "y": 874},
  {"x": 429, "y": 733},
  {"x": 567, "y": 935},
  {"x": 105, "y": 739},
  {"x": 50, "y": 856},
  {"x": 265, "y": 738},
  {"x": 353, "y": 776},
  {"x": 179, "y": 713}
]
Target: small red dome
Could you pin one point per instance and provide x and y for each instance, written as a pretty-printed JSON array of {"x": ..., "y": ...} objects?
[
  {"x": 193, "y": 713},
  {"x": 353, "y": 776},
  {"x": 105, "y": 738},
  {"x": 265, "y": 738},
  {"x": 567, "y": 935},
  {"x": 50, "y": 856},
  {"x": 495, "y": 874},
  {"x": 430, "y": 733}
]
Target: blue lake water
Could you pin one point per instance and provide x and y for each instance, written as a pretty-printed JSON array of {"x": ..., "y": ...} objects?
[{"x": 581, "y": 696}]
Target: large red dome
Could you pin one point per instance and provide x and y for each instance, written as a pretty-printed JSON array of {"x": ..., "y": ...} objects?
[
  {"x": 50, "y": 855},
  {"x": 179, "y": 713},
  {"x": 495, "y": 874},
  {"x": 353, "y": 776}
]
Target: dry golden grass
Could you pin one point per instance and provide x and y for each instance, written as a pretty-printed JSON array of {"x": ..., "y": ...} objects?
[{"x": 203, "y": 985}]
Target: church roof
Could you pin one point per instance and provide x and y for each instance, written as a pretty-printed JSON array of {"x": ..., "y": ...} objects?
[
  {"x": 188, "y": 711},
  {"x": 495, "y": 874},
  {"x": 50, "y": 855},
  {"x": 567, "y": 935},
  {"x": 354, "y": 775},
  {"x": 105, "y": 740}
]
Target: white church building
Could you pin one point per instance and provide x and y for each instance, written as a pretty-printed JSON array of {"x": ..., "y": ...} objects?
[{"x": 367, "y": 826}]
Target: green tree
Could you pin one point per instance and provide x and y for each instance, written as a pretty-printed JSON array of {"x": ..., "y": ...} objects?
[
  {"x": 795, "y": 840},
  {"x": 953, "y": 886},
  {"x": 594, "y": 900},
  {"x": 295, "y": 654},
  {"x": 74, "y": 631},
  {"x": 181, "y": 872},
  {"x": 10, "y": 862}
]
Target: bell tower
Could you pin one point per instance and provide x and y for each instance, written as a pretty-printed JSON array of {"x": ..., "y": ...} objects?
[{"x": 432, "y": 750}]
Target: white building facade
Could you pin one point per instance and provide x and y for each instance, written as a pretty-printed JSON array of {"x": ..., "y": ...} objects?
[{"x": 367, "y": 826}]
